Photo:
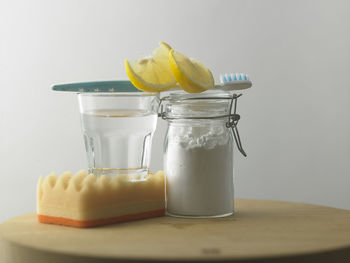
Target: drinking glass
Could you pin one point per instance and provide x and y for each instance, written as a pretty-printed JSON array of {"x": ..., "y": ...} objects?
[{"x": 118, "y": 122}]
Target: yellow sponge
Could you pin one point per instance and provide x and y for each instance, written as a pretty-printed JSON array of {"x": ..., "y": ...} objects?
[{"x": 84, "y": 200}]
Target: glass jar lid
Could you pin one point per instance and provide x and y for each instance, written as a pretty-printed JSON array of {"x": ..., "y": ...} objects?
[{"x": 209, "y": 105}]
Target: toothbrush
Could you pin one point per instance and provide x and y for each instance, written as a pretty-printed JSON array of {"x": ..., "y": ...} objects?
[{"x": 238, "y": 81}]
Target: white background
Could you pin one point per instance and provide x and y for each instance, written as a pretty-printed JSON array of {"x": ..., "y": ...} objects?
[{"x": 295, "y": 122}]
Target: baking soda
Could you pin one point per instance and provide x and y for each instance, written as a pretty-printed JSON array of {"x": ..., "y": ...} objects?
[{"x": 199, "y": 171}]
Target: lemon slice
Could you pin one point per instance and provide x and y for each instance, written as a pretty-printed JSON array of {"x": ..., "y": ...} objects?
[
  {"x": 191, "y": 74},
  {"x": 152, "y": 74}
]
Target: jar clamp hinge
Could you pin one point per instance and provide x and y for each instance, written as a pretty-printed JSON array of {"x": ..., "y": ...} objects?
[{"x": 232, "y": 122}]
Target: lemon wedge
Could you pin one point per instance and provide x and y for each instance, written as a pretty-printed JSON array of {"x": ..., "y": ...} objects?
[
  {"x": 152, "y": 74},
  {"x": 191, "y": 74}
]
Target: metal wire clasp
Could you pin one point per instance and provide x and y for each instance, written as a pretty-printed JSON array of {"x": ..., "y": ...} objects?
[
  {"x": 161, "y": 113},
  {"x": 232, "y": 122}
]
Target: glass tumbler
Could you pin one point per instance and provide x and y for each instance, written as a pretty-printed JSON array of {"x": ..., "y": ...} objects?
[
  {"x": 118, "y": 122},
  {"x": 118, "y": 130}
]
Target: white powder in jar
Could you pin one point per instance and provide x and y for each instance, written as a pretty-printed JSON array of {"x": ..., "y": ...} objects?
[{"x": 199, "y": 171}]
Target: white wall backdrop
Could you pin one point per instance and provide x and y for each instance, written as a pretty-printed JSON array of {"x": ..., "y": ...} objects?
[{"x": 295, "y": 122}]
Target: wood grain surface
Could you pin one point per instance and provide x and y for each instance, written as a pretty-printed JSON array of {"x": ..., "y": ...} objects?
[{"x": 260, "y": 231}]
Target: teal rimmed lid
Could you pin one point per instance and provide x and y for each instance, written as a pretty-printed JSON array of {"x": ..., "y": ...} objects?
[{"x": 98, "y": 86}]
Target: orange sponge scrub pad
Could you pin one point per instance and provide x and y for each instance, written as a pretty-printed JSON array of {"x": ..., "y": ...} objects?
[{"x": 84, "y": 200}]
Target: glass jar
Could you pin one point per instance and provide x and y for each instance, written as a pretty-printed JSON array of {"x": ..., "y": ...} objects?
[{"x": 198, "y": 155}]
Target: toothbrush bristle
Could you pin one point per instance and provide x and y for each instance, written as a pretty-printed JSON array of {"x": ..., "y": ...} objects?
[{"x": 231, "y": 77}]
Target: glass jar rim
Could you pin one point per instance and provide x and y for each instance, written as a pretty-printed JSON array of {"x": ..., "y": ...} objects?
[
  {"x": 210, "y": 95},
  {"x": 207, "y": 105}
]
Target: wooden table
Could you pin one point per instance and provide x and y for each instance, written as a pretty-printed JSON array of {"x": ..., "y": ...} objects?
[{"x": 260, "y": 231}]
